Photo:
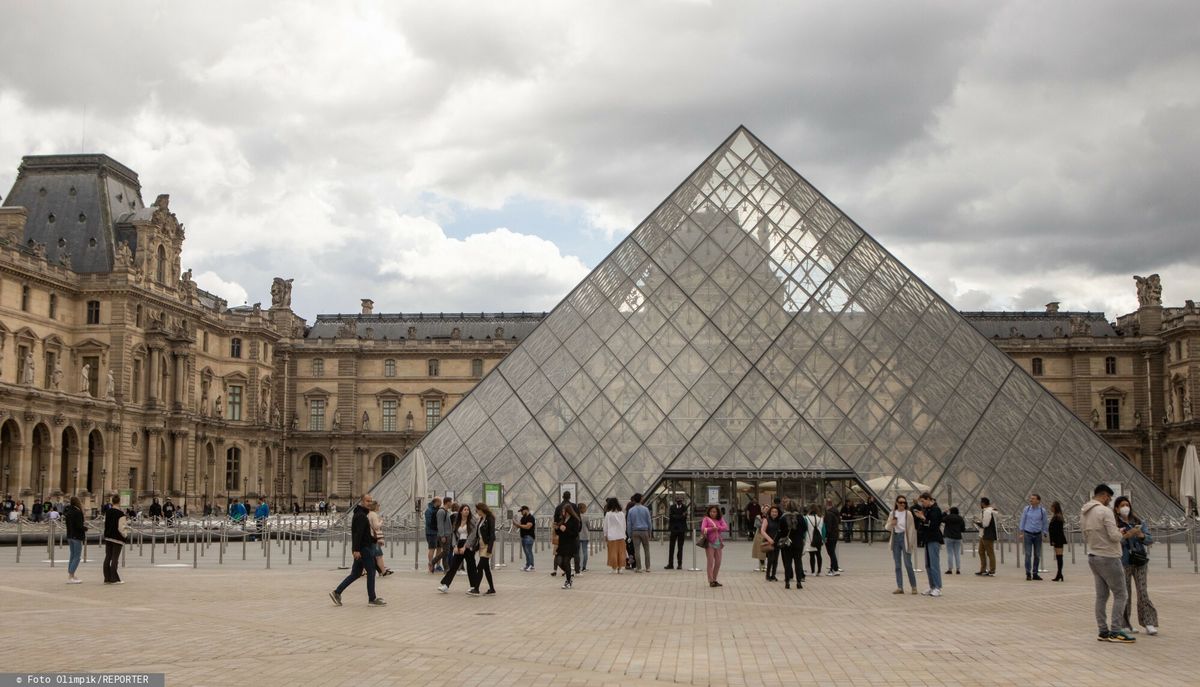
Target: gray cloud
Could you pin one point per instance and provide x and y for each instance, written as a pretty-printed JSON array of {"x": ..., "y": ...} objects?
[{"x": 1004, "y": 150}]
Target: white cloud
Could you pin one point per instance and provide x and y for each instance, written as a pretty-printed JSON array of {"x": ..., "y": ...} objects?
[{"x": 231, "y": 291}]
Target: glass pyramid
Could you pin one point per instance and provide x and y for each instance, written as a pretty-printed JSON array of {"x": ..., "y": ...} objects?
[{"x": 749, "y": 325}]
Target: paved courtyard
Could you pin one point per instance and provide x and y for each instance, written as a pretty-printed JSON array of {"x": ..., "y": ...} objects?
[{"x": 239, "y": 621}]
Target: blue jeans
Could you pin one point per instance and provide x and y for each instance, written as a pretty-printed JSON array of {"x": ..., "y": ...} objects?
[
  {"x": 527, "y": 549},
  {"x": 953, "y": 554},
  {"x": 847, "y": 531},
  {"x": 581, "y": 561},
  {"x": 899, "y": 553},
  {"x": 364, "y": 562},
  {"x": 1033, "y": 551},
  {"x": 933, "y": 564},
  {"x": 76, "y": 553}
]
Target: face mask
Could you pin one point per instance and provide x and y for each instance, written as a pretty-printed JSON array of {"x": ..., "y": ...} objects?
[{"x": 1124, "y": 511}]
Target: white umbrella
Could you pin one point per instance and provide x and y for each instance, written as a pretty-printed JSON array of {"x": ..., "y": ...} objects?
[
  {"x": 420, "y": 479},
  {"x": 886, "y": 483},
  {"x": 1189, "y": 479}
]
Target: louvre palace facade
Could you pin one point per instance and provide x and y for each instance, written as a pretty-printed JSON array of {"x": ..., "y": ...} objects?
[{"x": 119, "y": 375}]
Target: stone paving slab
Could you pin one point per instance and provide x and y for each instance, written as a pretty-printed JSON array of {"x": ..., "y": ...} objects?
[{"x": 277, "y": 627}]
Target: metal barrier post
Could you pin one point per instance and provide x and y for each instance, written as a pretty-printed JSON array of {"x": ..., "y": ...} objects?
[
  {"x": 195, "y": 548},
  {"x": 267, "y": 553},
  {"x": 696, "y": 534},
  {"x": 244, "y": 540},
  {"x": 140, "y": 542},
  {"x": 1195, "y": 558},
  {"x": 1071, "y": 544},
  {"x": 345, "y": 543},
  {"x": 50, "y": 544},
  {"x": 291, "y": 537},
  {"x": 18, "y": 539},
  {"x": 153, "y": 548},
  {"x": 1168, "y": 553},
  {"x": 177, "y": 549},
  {"x": 166, "y": 537},
  {"x": 85, "y": 553},
  {"x": 309, "y": 536},
  {"x": 328, "y": 538},
  {"x": 221, "y": 546}
]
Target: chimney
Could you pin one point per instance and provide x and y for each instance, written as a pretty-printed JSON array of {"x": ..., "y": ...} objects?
[
  {"x": 368, "y": 306},
  {"x": 1052, "y": 307}
]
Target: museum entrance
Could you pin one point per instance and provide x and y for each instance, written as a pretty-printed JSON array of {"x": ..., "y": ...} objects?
[{"x": 735, "y": 491}]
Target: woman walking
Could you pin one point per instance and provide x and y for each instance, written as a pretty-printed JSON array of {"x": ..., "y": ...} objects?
[
  {"x": 816, "y": 539},
  {"x": 614, "y": 534},
  {"x": 903, "y": 529},
  {"x": 712, "y": 528},
  {"x": 952, "y": 529},
  {"x": 568, "y": 541},
  {"x": 116, "y": 534},
  {"x": 581, "y": 560},
  {"x": 1135, "y": 562},
  {"x": 376, "y": 523},
  {"x": 793, "y": 552},
  {"x": 76, "y": 531},
  {"x": 772, "y": 532},
  {"x": 481, "y": 544},
  {"x": 1058, "y": 536},
  {"x": 756, "y": 549},
  {"x": 462, "y": 529}
]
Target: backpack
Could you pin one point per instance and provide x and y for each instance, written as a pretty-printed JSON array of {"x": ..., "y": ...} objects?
[{"x": 818, "y": 540}]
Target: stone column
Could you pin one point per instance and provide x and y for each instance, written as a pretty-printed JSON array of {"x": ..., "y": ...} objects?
[
  {"x": 54, "y": 462},
  {"x": 153, "y": 377},
  {"x": 177, "y": 467},
  {"x": 154, "y": 477}
]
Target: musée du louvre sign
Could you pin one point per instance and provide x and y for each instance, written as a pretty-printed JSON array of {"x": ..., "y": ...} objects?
[{"x": 760, "y": 474}]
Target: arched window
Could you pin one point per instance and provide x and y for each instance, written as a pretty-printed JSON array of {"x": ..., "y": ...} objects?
[
  {"x": 1038, "y": 368},
  {"x": 386, "y": 462},
  {"x": 160, "y": 270},
  {"x": 233, "y": 469},
  {"x": 316, "y": 474},
  {"x": 1110, "y": 365},
  {"x": 235, "y": 348},
  {"x": 389, "y": 368}
]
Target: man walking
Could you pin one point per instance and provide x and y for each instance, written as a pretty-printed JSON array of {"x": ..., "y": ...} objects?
[
  {"x": 987, "y": 538},
  {"x": 261, "y": 513},
  {"x": 639, "y": 532},
  {"x": 1103, "y": 540},
  {"x": 677, "y": 525},
  {"x": 1035, "y": 524},
  {"x": 443, "y": 530},
  {"x": 362, "y": 542},
  {"x": 431, "y": 532},
  {"x": 528, "y": 526},
  {"x": 832, "y": 521},
  {"x": 558, "y": 518},
  {"x": 929, "y": 526}
]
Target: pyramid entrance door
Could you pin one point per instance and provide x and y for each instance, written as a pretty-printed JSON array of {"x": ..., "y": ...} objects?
[{"x": 748, "y": 325}]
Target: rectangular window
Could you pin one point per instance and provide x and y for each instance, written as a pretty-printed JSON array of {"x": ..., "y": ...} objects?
[
  {"x": 50, "y": 360},
  {"x": 235, "y": 403},
  {"x": 93, "y": 364},
  {"x": 389, "y": 368},
  {"x": 1038, "y": 369},
  {"x": 53, "y": 306},
  {"x": 433, "y": 412},
  {"x": 25, "y": 298},
  {"x": 316, "y": 415},
  {"x": 22, "y": 351},
  {"x": 434, "y": 368},
  {"x": 93, "y": 312},
  {"x": 477, "y": 368},
  {"x": 1112, "y": 413},
  {"x": 318, "y": 367},
  {"x": 389, "y": 415},
  {"x": 205, "y": 340},
  {"x": 235, "y": 348},
  {"x": 1110, "y": 365},
  {"x": 137, "y": 381}
]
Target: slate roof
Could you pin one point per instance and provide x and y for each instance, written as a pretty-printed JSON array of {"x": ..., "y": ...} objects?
[
  {"x": 394, "y": 326},
  {"x": 1034, "y": 324},
  {"x": 73, "y": 203}
]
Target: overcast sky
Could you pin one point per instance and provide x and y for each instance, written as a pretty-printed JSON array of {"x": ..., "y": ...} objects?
[{"x": 484, "y": 156}]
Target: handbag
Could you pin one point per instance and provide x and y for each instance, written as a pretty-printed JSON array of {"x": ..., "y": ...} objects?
[{"x": 1137, "y": 554}]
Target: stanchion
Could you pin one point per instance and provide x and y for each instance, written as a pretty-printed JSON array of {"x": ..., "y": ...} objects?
[
  {"x": 195, "y": 548},
  {"x": 18, "y": 540},
  {"x": 153, "y": 548},
  {"x": 166, "y": 537},
  {"x": 328, "y": 538},
  {"x": 308, "y": 534},
  {"x": 345, "y": 543},
  {"x": 1168, "y": 553},
  {"x": 85, "y": 553},
  {"x": 140, "y": 542},
  {"x": 177, "y": 549},
  {"x": 1001, "y": 547},
  {"x": 50, "y": 544},
  {"x": 292, "y": 533},
  {"x": 221, "y": 546},
  {"x": 267, "y": 555},
  {"x": 244, "y": 536},
  {"x": 1195, "y": 558},
  {"x": 1071, "y": 545},
  {"x": 696, "y": 534}
]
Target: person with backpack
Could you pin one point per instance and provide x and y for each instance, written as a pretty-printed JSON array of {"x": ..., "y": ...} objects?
[
  {"x": 816, "y": 539},
  {"x": 987, "y": 538},
  {"x": 1135, "y": 561},
  {"x": 431, "y": 532}
]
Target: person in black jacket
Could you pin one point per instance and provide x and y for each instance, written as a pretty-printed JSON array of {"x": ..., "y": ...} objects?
[
  {"x": 791, "y": 548},
  {"x": 568, "y": 541},
  {"x": 1058, "y": 536},
  {"x": 929, "y": 529},
  {"x": 116, "y": 534},
  {"x": 462, "y": 530},
  {"x": 76, "y": 531},
  {"x": 363, "y": 544},
  {"x": 833, "y": 522},
  {"x": 155, "y": 512},
  {"x": 677, "y": 517},
  {"x": 952, "y": 529},
  {"x": 481, "y": 544}
]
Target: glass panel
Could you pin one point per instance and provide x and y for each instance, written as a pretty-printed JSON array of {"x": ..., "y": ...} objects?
[
  {"x": 560, "y": 367},
  {"x": 668, "y": 342},
  {"x": 600, "y": 416},
  {"x": 554, "y": 417},
  {"x": 582, "y": 343},
  {"x": 536, "y": 391},
  {"x": 511, "y": 417},
  {"x": 563, "y": 320},
  {"x": 580, "y": 391}
]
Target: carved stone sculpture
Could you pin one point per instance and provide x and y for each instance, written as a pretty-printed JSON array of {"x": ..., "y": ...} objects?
[
  {"x": 1187, "y": 405},
  {"x": 1149, "y": 290},
  {"x": 85, "y": 379},
  {"x": 281, "y": 293},
  {"x": 56, "y": 376},
  {"x": 28, "y": 376},
  {"x": 110, "y": 386},
  {"x": 366, "y": 421},
  {"x": 1137, "y": 419},
  {"x": 217, "y": 410},
  {"x": 337, "y": 421},
  {"x": 123, "y": 256},
  {"x": 295, "y": 421},
  {"x": 1095, "y": 419}
]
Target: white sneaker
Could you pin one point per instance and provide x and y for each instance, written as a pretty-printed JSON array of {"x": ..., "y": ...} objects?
[
  {"x": 835, "y": 573},
  {"x": 1151, "y": 630},
  {"x": 1131, "y": 631},
  {"x": 927, "y": 592},
  {"x": 830, "y": 573},
  {"x": 443, "y": 588},
  {"x": 75, "y": 581},
  {"x": 935, "y": 592}
]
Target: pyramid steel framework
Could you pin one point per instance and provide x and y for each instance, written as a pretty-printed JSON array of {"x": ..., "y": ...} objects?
[{"x": 749, "y": 325}]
